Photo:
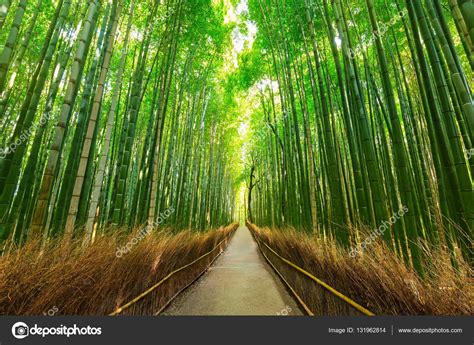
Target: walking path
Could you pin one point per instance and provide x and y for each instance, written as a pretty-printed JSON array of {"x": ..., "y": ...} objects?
[{"x": 239, "y": 282}]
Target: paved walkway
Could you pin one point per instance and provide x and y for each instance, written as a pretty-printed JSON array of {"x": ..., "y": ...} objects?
[{"x": 240, "y": 282}]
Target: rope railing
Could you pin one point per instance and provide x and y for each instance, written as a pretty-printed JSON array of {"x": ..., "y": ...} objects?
[
  {"x": 167, "y": 277},
  {"x": 293, "y": 291},
  {"x": 326, "y": 286},
  {"x": 259, "y": 244}
]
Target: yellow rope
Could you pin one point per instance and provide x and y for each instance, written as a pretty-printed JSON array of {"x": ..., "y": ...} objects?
[
  {"x": 320, "y": 282},
  {"x": 187, "y": 286},
  {"x": 300, "y": 300},
  {"x": 323, "y": 284},
  {"x": 139, "y": 297}
]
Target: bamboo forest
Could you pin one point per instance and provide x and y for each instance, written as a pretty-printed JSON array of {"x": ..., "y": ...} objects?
[{"x": 328, "y": 141}]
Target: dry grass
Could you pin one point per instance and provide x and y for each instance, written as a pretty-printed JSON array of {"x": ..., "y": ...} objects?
[
  {"x": 377, "y": 280},
  {"x": 65, "y": 279}
]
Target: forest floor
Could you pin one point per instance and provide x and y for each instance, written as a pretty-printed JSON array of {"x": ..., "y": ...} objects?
[{"x": 239, "y": 283}]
